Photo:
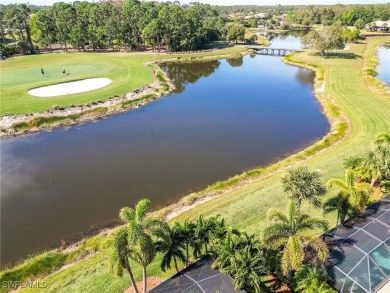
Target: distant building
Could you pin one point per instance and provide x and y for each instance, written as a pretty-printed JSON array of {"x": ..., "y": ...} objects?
[
  {"x": 258, "y": 16},
  {"x": 379, "y": 26}
]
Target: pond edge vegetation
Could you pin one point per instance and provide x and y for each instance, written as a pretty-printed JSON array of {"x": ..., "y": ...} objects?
[{"x": 55, "y": 118}]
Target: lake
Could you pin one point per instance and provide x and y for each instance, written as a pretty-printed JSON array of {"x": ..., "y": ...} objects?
[
  {"x": 225, "y": 117},
  {"x": 383, "y": 67}
]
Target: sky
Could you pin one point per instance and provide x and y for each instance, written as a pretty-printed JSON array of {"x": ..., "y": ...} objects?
[{"x": 227, "y": 2}]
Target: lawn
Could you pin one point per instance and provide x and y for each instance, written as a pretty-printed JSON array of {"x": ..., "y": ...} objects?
[
  {"x": 18, "y": 75},
  {"x": 244, "y": 206}
]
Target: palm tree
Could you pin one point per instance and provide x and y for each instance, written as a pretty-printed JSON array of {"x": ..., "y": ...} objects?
[
  {"x": 186, "y": 234},
  {"x": 143, "y": 252},
  {"x": 342, "y": 205},
  {"x": 371, "y": 166},
  {"x": 310, "y": 279},
  {"x": 356, "y": 192},
  {"x": 352, "y": 162},
  {"x": 291, "y": 231},
  {"x": 303, "y": 184},
  {"x": 246, "y": 267},
  {"x": 140, "y": 228},
  {"x": 240, "y": 255},
  {"x": 383, "y": 137},
  {"x": 203, "y": 233},
  {"x": 375, "y": 165},
  {"x": 120, "y": 256},
  {"x": 224, "y": 250},
  {"x": 172, "y": 247}
]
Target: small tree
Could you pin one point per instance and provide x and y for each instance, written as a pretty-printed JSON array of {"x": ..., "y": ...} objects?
[
  {"x": 291, "y": 231},
  {"x": 351, "y": 36},
  {"x": 357, "y": 193},
  {"x": 235, "y": 32},
  {"x": 323, "y": 41},
  {"x": 310, "y": 279},
  {"x": 252, "y": 22},
  {"x": 302, "y": 184}
]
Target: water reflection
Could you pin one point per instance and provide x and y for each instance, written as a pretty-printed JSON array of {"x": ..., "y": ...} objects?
[
  {"x": 235, "y": 62},
  {"x": 305, "y": 76},
  {"x": 184, "y": 73}
]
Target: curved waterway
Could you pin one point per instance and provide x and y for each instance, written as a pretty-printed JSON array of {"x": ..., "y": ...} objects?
[
  {"x": 383, "y": 67},
  {"x": 225, "y": 117}
]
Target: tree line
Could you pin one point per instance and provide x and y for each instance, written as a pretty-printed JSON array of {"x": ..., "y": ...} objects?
[
  {"x": 112, "y": 24},
  {"x": 351, "y": 15},
  {"x": 281, "y": 248}
]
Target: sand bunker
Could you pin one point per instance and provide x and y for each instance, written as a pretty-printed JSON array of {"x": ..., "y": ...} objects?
[{"x": 68, "y": 88}]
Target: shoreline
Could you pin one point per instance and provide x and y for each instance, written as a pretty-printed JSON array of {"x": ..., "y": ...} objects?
[
  {"x": 187, "y": 202},
  {"x": 219, "y": 189},
  {"x": 24, "y": 124}
]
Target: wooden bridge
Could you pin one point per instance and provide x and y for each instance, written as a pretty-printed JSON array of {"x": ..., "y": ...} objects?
[
  {"x": 273, "y": 51},
  {"x": 300, "y": 28}
]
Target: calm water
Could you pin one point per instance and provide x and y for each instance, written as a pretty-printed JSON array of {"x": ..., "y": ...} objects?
[
  {"x": 224, "y": 118},
  {"x": 383, "y": 68}
]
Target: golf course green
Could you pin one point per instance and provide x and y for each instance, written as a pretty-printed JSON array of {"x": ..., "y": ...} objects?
[{"x": 126, "y": 70}]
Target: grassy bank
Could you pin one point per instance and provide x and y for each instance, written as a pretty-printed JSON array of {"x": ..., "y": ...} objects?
[
  {"x": 357, "y": 115},
  {"x": 369, "y": 69}
]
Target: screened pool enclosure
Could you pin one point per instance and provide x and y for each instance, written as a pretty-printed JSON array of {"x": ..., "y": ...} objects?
[
  {"x": 199, "y": 277},
  {"x": 360, "y": 251}
]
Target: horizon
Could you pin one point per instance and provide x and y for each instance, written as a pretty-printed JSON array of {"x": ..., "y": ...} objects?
[{"x": 226, "y": 2}]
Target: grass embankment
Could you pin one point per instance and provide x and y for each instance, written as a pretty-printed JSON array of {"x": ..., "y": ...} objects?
[
  {"x": 126, "y": 70},
  {"x": 244, "y": 201},
  {"x": 370, "y": 65},
  {"x": 261, "y": 40}
]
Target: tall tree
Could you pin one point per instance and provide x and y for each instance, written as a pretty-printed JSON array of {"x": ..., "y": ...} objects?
[
  {"x": 18, "y": 22},
  {"x": 291, "y": 231},
  {"x": 140, "y": 230},
  {"x": 64, "y": 16},
  {"x": 330, "y": 38},
  {"x": 119, "y": 260},
  {"x": 204, "y": 229},
  {"x": 186, "y": 234},
  {"x": 45, "y": 23},
  {"x": 342, "y": 205},
  {"x": 302, "y": 184},
  {"x": 169, "y": 243}
]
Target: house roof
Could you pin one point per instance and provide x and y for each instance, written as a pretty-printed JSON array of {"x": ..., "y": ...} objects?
[
  {"x": 359, "y": 259},
  {"x": 196, "y": 278}
]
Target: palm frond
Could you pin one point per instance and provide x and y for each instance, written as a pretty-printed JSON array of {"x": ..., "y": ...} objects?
[
  {"x": 127, "y": 214},
  {"x": 317, "y": 245},
  {"x": 142, "y": 208}
]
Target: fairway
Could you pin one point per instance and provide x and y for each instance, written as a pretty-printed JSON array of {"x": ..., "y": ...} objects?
[{"x": 18, "y": 75}]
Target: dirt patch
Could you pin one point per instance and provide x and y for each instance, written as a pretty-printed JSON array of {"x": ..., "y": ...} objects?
[{"x": 151, "y": 283}]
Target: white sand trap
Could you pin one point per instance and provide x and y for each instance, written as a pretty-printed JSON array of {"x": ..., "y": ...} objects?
[{"x": 68, "y": 88}]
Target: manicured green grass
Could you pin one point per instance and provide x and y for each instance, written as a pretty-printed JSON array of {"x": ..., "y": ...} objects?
[
  {"x": 245, "y": 206},
  {"x": 127, "y": 71}
]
